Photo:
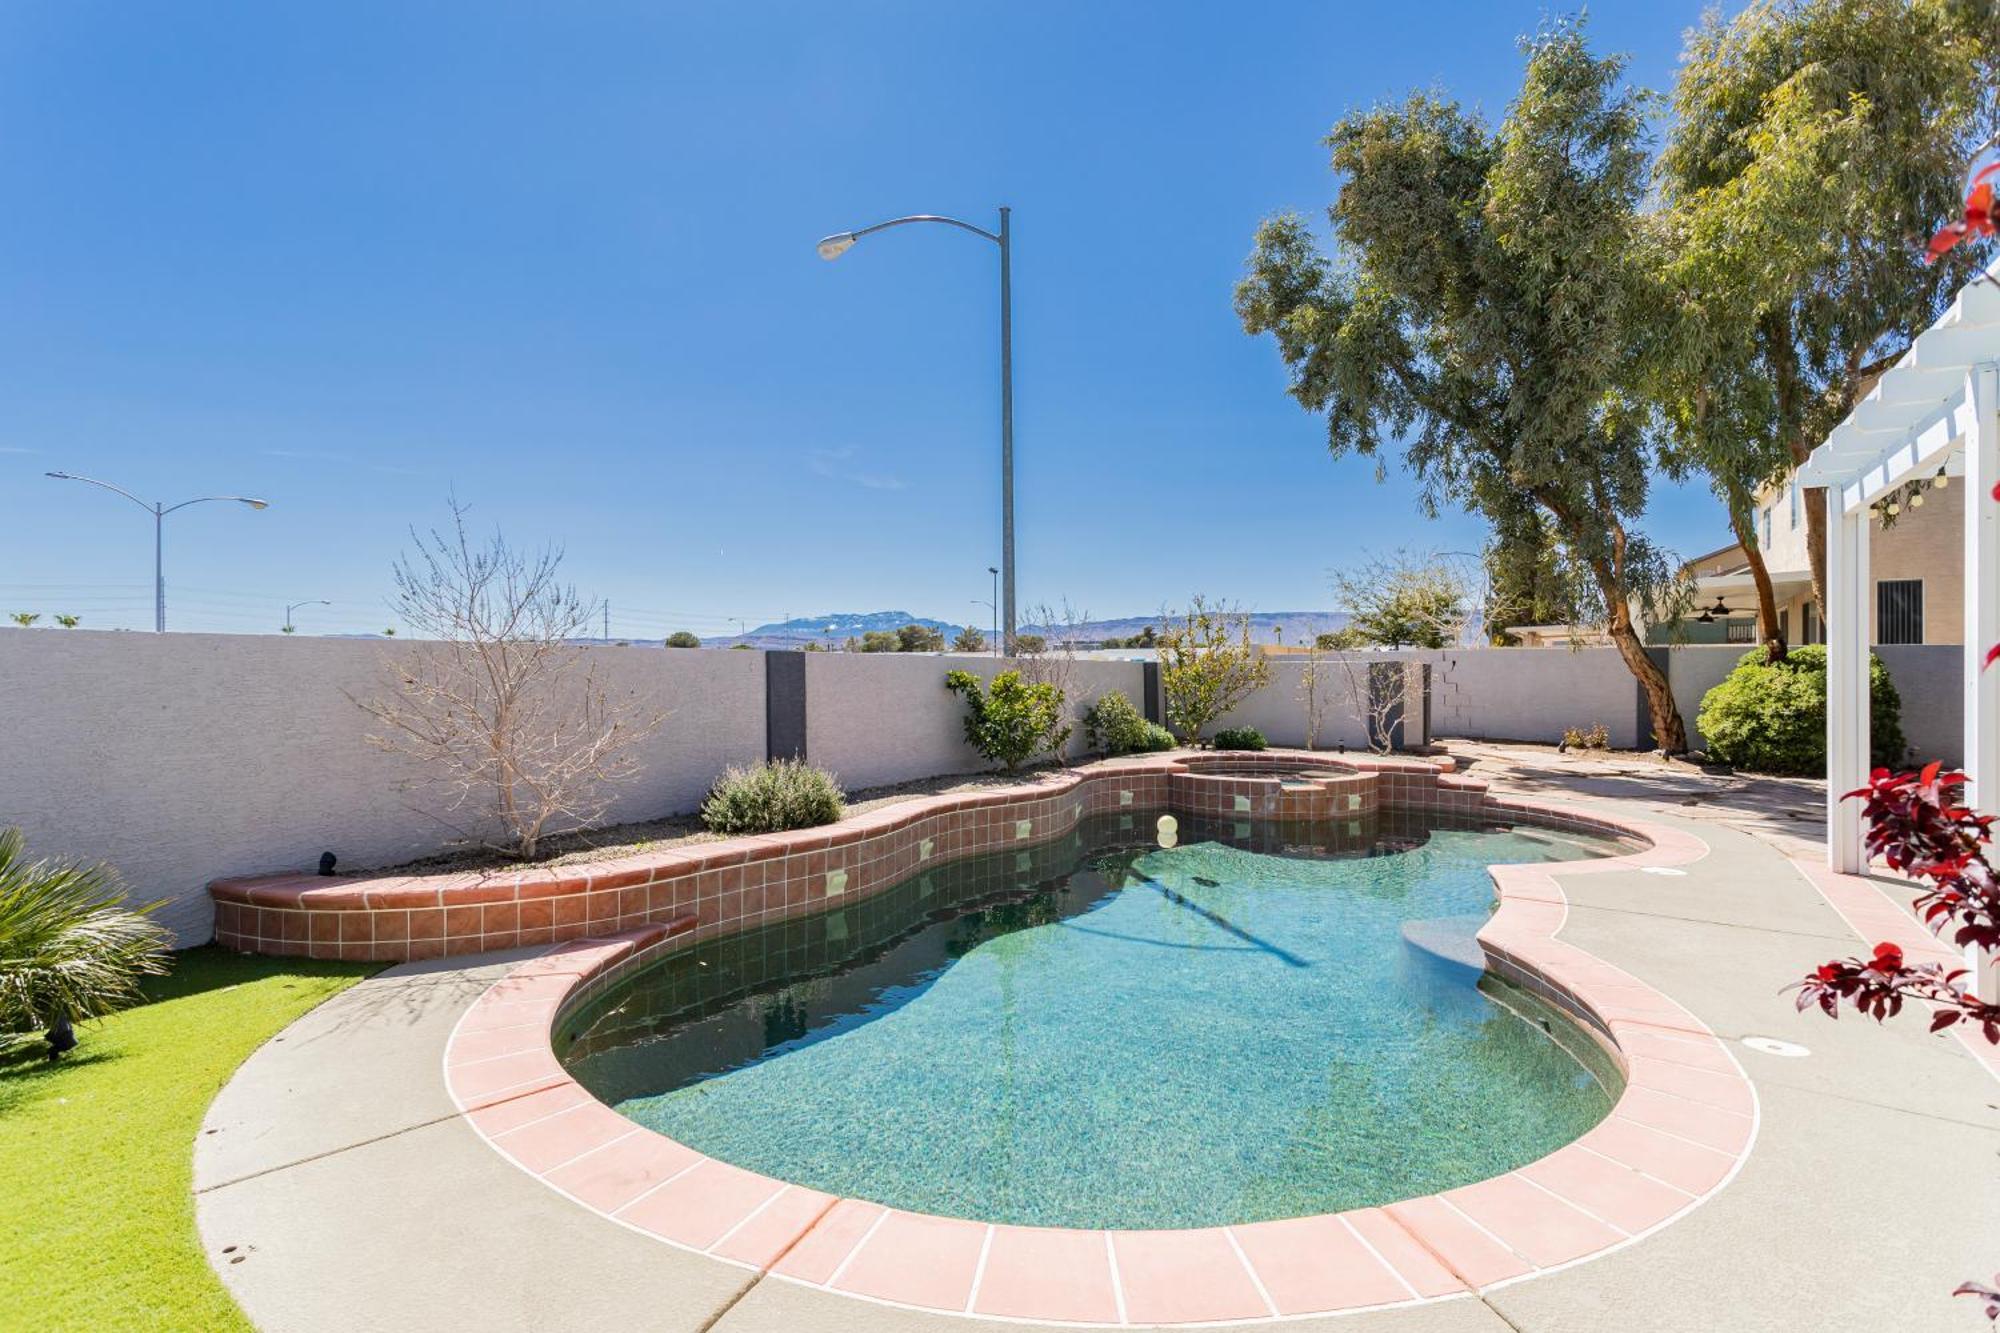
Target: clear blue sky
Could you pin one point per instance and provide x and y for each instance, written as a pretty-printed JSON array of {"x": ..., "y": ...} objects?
[{"x": 560, "y": 257}]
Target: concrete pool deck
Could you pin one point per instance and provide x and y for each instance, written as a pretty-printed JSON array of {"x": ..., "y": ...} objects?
[{"x": 355, "y": 1196}]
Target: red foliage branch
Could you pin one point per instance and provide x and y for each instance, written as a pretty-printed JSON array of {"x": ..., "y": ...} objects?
[
  {"x": 1917, "y": 822},
  {"x": 1917, "y": 825}
]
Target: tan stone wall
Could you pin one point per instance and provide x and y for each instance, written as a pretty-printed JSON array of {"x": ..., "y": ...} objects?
[{"x": 1924, "y": 543}]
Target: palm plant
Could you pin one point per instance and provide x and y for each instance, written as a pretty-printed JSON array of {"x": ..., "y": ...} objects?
[{"x": 69, "y": 947}]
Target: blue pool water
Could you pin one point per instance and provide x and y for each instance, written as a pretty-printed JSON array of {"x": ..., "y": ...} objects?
[{"x": 1107, "y": 1032}]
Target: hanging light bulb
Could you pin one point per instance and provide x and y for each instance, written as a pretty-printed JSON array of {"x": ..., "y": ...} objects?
[
  {"x": 1917, "y": 500},
  {"x": 1940, "y": 481},
  {"x": 1893, "y": 509}
]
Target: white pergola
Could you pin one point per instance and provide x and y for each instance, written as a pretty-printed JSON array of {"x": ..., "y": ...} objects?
[{"x": 1934, "y": 408}]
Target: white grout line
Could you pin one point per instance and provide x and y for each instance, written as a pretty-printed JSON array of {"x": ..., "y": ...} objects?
[
  {"x": 588, "y": 1151},
  {"x": 749, "y": 1217},
  {"x": 1117, "y": 1282},
  {"x": 1565, "y": 1199},
  {"x": 651, "y": 1190},
  {"x": 504, "y": 1055},
  {"x": 1229, "y": 1234},
  {"x": 1473, "y": 1222},
  {"x": 1627, "y": 1166},
  {"x": 1394, "y": 1271},
  {"x": 1682, "y": 1138},
  {"x": 866, "y": 1236},
  {"x": 1693, "y": 1101},
  {"x": 979, "y": 1270}
]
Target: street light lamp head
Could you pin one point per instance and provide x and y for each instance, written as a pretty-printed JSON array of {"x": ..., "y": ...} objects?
[
  {"x": 834, "y": 246},
  {"x": 254, "y": 504}
]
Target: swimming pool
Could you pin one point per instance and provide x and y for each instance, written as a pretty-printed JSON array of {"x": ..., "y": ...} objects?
[{"x": 1104, "y": 1031}]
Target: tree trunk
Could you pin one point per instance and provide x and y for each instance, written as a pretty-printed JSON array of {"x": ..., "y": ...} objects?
[
  {"x": 1815, "y": 502},
  {"x": 1760, "y": 573},
  {"x": 1669, "y": 733},
  {"x": 1777, "y": 334}
]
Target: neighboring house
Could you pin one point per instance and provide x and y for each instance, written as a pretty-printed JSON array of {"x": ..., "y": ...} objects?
[{"x": 1913, "y": 561}]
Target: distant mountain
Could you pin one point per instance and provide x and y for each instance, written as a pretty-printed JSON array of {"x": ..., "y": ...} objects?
[
  {"x": 1265, "y": 626},
  {"x": 832, "y": 629},
  {"x": 837, "y": 627}
]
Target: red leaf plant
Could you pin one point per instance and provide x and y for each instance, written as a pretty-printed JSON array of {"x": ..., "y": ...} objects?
[{"x": 1917, "y": 822}]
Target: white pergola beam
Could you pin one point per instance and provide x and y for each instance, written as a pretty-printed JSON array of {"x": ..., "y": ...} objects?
[
  {"x": 1982, "y": 619},
  {"x": 1846, "y": 679}
]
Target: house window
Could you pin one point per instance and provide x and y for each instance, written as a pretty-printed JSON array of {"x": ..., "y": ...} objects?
[
  {"x": 1785, "y": 624},
  {"x": 1765, "y": 541},
  {"x": 1812, "y": 631},
  {"x": 1899, "y": 611},
  {"x": 1795, "y": 503}
]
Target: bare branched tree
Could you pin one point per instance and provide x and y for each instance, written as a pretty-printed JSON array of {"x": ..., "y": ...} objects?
[
  {"x": 1053, "y": 662},
  {"x": 1372, "y": 689},
  {"x": 1315, "y": 687},
  {"x": 508, "y": 721}
]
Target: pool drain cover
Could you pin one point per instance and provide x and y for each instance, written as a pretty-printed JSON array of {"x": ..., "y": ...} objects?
[{"x": 1791, "y": 1050}]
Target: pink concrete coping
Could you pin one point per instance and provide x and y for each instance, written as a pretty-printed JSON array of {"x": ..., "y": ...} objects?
[
  {"x": 1681, "y": 1130},
  {"x": 739, "y": 883}
]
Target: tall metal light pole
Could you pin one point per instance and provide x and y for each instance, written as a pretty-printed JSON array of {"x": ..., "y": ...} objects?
[
  {"x": 159, "y": 512},
  {"x": 994, "y": 607},
  {"x": 293, "y": 606},
  {"x": 834, "y": 246}
]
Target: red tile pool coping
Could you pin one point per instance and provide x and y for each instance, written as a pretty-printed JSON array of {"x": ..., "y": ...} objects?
[{"x": 1679, "y": 1132}]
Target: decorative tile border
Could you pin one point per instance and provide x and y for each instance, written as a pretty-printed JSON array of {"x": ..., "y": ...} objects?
[
  {"x": 1681, "y": 1130},
  {"x": 741, "y": 883}
]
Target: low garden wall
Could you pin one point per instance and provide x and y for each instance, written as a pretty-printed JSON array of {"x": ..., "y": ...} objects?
[{"x": 718, "y": 888}]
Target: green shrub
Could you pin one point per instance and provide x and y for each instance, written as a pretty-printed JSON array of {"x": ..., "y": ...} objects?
[
  {"x": 681, "y": 638},
  {"x": 1595, "y": 737},
  {"x": 1113, "y": 725},
  {"x": 771, "y": 797},
  {"x": 1770, "y": 717},
  {"x": 1010, "y": 721},
  {"x": 69, "y": 947},
  {"x": 1240, "y": 738}
]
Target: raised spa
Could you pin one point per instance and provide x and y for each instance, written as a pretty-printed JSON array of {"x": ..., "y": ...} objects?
[{"x": 1131, "y": 1026}]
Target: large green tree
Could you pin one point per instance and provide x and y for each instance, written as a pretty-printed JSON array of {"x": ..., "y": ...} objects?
[
  {"x": 1526, "y": 580},
  {"x": 1814, "y": 147},
  {"x": 1482, "y": 310}
]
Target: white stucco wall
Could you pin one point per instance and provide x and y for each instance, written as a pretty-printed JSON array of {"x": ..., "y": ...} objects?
[
  {"x": 1279, "y": 709},
  {"x": 179, "y": 758},
  {"x": 184, "y": 757},
  {"x": 876, "y": 718},
  {"x": 1532, "y": 694}
]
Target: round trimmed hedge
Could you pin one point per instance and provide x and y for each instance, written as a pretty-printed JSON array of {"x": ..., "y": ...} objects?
[{"x": 1770, "y": 717}]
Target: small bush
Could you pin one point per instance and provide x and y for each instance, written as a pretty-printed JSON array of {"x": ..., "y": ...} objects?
[
  {"x": 1595, "y": 737},
  {"x": 772, "y": 797},
  {"x": 70, "y": 948},
  {"x": 1240, "y": 738},
  {"x": 1770, "y": 717},
  {"x": 1113, "y": 725},
  {"x": 1010, "y": 721}
]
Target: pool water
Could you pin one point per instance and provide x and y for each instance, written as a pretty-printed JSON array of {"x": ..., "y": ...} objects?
[{"x": 1107, "y": 1032}]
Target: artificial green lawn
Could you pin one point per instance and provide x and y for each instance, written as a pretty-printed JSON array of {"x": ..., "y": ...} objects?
[{"x": 96, "y": 1151}]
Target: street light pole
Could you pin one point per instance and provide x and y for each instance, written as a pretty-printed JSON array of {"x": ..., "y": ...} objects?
[
  {"x": 994, "y": 607},
  {"x": 293, "y": 606},
  {"x": 159, "y": 512},
  {"x": 834, "y": 246}
]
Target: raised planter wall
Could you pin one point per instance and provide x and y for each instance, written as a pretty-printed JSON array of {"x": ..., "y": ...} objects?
[{"x": 732, "y": 885}]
